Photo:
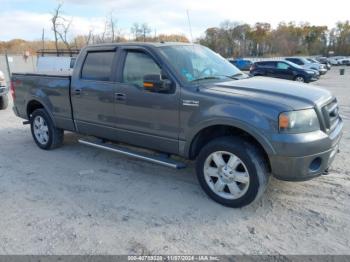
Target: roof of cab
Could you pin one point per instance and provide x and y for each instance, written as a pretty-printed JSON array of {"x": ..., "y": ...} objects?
[{"x": 141, "y": 44}]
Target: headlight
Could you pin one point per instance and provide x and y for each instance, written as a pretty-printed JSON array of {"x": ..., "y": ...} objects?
[
  {"x": 301, "y": 121},
  {"x": 311, "y": 72}
]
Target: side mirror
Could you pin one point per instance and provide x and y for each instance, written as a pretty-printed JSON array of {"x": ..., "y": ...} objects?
[{"x": 157, "y": 83}]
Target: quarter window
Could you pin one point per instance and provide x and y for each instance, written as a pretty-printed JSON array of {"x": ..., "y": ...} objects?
[{"x": 98, "y": 66}]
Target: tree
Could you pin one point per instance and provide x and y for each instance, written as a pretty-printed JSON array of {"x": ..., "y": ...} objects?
[
  {"x": 140, "y": 31},
  {"x": 60, "y": 27}
]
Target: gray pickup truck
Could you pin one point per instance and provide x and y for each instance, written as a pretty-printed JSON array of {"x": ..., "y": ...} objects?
[{"x": 185, "y": 100}]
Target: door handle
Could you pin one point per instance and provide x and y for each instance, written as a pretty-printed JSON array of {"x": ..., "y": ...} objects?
[{"x": 120, "y": 97}]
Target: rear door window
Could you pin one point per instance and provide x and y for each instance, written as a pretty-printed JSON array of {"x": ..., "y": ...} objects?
[
  {"x": 281, "y": 65},
  {"x": 98, "y": 66},
  {"x": 268, "y": 64}
]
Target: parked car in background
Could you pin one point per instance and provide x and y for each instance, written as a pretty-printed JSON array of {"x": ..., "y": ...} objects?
[
  {"x": 241, "y": 64},
  {"x": 344, "y": 61},
  {"x": 304, "y": 63},
  {"x": 284, "y": 70},
  {"x": 324, "y": 60},
  {"x": 4, "y": 100},
  {"x": 314, "y": 60},
  {"x": 339, "y": 60}
]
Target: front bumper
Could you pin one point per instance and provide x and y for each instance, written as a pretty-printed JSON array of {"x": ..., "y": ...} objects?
[
  {"x": 306, "y": 166},
  {"x": 323, "y": 71}
]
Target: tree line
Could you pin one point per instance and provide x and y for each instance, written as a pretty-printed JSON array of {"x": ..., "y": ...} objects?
[
  {"x": 230, "y": 39},
  {"x": 233, "y": 39}
]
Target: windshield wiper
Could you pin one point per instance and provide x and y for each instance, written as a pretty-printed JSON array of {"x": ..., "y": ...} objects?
[
  {"x": 235, "y": 75},
  {"x": 206, "y": 78}
]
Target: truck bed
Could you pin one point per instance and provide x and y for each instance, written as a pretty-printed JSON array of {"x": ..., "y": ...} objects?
[{"x": 51, "y": 89}]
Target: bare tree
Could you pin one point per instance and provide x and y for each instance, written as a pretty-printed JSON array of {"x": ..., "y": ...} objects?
[
  {"x": 60, "y": 27},
  {"x": 54, "y": 21},
  {"x": 146, "y": 30},
  {"x": 140, "y": 31},
  {"x": 63, "y": 33},
  {"x": 136, "y": 31}
]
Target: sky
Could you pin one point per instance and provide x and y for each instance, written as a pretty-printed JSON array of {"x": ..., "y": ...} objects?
[{"x": 26, "y": 19}]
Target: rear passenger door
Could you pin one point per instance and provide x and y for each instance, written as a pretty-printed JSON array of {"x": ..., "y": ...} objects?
[
  {"x": 92, "y": 93},
  {"x": 270, "y": 68},
  {"x": 146, "y": 118}
]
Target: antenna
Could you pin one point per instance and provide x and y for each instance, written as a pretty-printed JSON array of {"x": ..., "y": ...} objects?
[{"x": 189, "y": 25}]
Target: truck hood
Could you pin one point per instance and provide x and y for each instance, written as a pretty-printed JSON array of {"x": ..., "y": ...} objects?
[{"x": 295, "y": 95}]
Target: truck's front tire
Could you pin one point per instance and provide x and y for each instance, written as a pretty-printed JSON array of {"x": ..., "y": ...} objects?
[
  {"x": 44, "y": 132},
  {"x": 232, "y": 171},
  {"x": 4, "y": 102}
]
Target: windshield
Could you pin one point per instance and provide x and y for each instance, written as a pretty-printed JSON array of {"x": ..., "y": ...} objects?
[
  {"x": 196, "y": 63},
  {"x": 293, "y": 64}
]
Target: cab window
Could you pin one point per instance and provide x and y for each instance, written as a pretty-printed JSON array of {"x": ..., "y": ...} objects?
[
  {"x": 98, "y": 66},
  {"x": 137, "y": 65}
]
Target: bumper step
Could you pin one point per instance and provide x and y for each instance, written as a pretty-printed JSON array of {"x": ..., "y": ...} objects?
[{"x": 157, "y": 159}]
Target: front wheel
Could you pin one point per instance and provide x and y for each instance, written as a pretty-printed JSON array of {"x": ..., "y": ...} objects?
[
  {"x": 299, "y": 79},
  {"x": 44, "y": 132},
  {"x": 232, "y": 171}
]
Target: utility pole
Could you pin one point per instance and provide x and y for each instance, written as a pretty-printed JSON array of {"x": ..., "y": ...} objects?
[
  {"x": 8, "y": 65},
  {"x": 43, "y": 38}
]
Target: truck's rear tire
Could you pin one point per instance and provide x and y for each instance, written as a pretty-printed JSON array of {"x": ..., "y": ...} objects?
[
  {"x": 44, "y": 132},
  {"x": 4, "y": 102},
  {"x": 232, "y": 171}
]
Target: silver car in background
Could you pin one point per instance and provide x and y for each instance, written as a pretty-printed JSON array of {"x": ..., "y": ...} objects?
[{"x": 306, "y": 64}]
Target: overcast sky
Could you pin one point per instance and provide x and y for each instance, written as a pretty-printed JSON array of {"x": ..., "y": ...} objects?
[{"x": 25, "y": 19}]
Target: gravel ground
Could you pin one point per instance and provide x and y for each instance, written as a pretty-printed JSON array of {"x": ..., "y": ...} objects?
[{"x": 80, "y": 200}]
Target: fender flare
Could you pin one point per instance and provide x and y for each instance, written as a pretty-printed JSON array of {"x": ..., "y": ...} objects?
[{"x": 262, "y": 139}]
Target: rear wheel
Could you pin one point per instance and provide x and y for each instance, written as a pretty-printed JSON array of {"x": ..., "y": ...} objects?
[
  {"x": 232, "y": 171},
  {"x": 44, "y": 132},
  {"x": 4, "y": 102}
]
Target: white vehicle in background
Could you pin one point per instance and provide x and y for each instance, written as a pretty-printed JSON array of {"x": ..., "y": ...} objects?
[
  {"x": 306, "y": 64},
  {"x": 4, "y": 100},
  {"x": 53, "y": 64},
  {"x": 51, "y": 60},
  {"x": 339, "y": 60}
]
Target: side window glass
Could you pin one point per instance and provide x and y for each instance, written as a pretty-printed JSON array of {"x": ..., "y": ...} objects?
[
  {"x": 282, "y": 66},
  {"x": 137, "y": 65},
  {"x": 98, "y": 66}
]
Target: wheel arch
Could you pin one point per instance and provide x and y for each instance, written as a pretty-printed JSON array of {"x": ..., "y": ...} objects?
[
  {"x": 35, "y": 103},
  {"x": 207, "y": 133}
]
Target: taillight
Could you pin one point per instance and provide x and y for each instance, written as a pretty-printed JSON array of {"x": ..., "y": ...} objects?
[
  {"x": 252, "y": 67},
  {"x": 13, "y": 85}
]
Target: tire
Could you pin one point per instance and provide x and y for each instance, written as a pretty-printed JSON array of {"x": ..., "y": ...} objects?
[
  {"x": 44, "y": 132},
  {"x": 4, "y": 102},
  {"x": 300, "y": 79},
  {"x": 253, "y": 168}
]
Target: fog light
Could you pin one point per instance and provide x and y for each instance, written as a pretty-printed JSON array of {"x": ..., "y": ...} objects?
[{"x": 315, "y": 164}]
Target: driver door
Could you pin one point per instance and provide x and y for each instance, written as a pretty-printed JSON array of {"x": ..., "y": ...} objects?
[{"x": 146, "y": 118}]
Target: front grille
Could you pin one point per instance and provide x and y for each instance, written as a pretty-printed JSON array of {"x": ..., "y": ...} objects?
[{"x": 331, "y": 114}]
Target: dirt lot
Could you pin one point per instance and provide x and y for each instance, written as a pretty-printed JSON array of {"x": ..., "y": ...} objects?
[{"x": 80, "y": 200}]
